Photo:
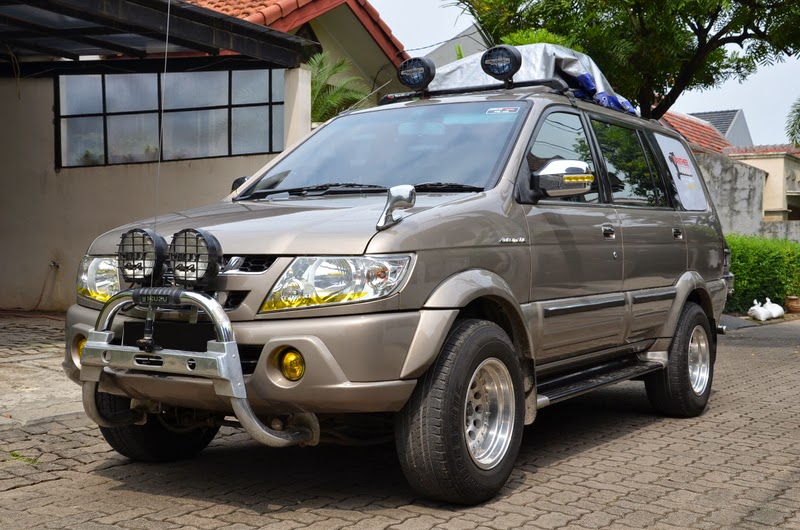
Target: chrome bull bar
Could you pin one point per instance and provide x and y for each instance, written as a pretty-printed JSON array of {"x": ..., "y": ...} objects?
[{"x": 219, "y": 363}]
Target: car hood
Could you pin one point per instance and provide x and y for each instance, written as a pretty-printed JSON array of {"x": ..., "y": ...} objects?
[{"x": 294, "y": 226}]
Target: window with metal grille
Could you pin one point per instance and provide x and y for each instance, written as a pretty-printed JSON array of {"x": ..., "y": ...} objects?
[{"x": 107, "y": 119}]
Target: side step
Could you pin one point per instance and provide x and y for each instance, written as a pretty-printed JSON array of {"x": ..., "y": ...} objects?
[{"x": 567, "y": 386}]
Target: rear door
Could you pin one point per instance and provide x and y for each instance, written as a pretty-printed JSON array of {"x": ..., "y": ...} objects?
[{"x": 653, "y": 235}]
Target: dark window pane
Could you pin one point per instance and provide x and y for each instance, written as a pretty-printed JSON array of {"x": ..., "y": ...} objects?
[
  {"x": 628, "y": 171},
  {"x": 277, "y": 128},
  {"x": 131, "y": 92},
  {"x": 562, "y": 137},
  {"x": 277, "y": 85},
  {"x": 195, "y": 89},
  {"x": 661, "y": 191},
  {"x": 81, "y": 94},
  {"x": 195, "y": 134},
  {"x": 82, "y": 142},
  {"x": 250, "y": 86},
  {"x": 132, "y": 138},
  {"x": 250, "y": 130}
]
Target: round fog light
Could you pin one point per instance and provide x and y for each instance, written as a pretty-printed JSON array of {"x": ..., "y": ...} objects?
[
  {"x": 292, "y": 365},
  {"x": 79, "y": 348}
]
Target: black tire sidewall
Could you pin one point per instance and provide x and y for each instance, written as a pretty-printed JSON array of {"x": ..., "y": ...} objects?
[
  {"x": 486, "y": 341},
  {"x": 679, "y": 359}
]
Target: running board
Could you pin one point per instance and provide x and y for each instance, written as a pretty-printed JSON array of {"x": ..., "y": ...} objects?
[{"x": 565, "y": 387}]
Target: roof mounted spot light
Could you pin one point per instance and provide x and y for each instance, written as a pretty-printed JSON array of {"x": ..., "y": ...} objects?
[
  {"x": 502, "y": 62},
  {"x": 416, "y": 73}
]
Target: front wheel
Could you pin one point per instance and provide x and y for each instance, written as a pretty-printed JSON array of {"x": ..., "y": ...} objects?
[
  {"x": 682, "y": 389},
  {"x": 458, "y": 436},
  {"x": 155, "y": 441}
]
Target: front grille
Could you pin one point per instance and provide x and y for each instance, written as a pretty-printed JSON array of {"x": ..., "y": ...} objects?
[
  {"x": 256, "y": 263},
  {"x": 235, "y": 299}
]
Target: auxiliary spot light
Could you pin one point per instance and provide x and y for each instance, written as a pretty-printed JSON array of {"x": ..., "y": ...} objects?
[
  {"x": 140, "y": 255},
  {"x": 416, "y": 73},
  {"x": 502, "y": 62},
  {"x": 194, "y": 256}
]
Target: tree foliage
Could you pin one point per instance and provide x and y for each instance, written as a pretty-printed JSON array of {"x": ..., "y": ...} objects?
[
  {"x": 653, "y": 50},
  {"x": 793, "y": 123},
  {"x": 331, "y": 91}
]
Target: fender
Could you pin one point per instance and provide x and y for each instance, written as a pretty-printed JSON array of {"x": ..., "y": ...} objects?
[
  {"x": 689, "y": 282},
  {"x": 461, "y": 289}
]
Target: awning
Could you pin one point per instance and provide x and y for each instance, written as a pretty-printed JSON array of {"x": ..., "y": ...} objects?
[{"x": 52, "y": 37}]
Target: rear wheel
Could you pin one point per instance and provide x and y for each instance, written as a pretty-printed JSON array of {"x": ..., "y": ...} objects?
[
  {"x": 458, "y": 436},
  {"x": 682, "y": 389},
  {"x": 158, "y": 440}
]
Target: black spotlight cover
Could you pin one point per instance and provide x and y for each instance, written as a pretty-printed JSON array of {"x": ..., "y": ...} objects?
[
  {"x": 140, "y": 256},
  {"x": 416, "y": 73},
  {"x": 501, "y": 62}
]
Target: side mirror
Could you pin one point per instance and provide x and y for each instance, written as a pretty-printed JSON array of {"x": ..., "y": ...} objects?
[
  {"x": 238, "y": 182},
  {"x": 562, "y": 178}
]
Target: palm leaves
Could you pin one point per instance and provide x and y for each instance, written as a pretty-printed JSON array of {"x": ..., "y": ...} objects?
[
  {"x": 793, "y": 123},
  {"x": 331, "y": 96}
]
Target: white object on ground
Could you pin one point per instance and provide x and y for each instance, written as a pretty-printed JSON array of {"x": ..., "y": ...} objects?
[
  {"x": 759, "y": 313},
  {"x": 775, "y": 310}
]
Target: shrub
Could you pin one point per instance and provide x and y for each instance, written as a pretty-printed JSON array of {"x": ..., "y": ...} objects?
[{"x": 763, "y": 268}]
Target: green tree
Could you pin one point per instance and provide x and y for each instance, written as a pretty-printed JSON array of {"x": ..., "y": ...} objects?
[
  {"x": 793, "y": 124},
  {"x": 331, "y": 91},
  {"x": 654, "y": 50}
]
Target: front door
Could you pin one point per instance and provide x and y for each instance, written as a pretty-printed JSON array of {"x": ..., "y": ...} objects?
[{"x": 576, "y": 254}]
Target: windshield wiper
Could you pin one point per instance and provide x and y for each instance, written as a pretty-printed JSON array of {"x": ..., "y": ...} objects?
[
  {"x": 317, "y": 189},
  {"x": 446, "y": 187}
]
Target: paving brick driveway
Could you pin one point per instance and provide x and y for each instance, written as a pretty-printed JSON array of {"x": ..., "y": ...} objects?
[{"x": 600, "y": 461}]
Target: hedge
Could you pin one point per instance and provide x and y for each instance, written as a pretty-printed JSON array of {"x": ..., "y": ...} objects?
[{"x": 764, "y": 268}]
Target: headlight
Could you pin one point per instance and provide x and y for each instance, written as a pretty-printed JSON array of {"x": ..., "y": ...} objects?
[
  {"x": 319, "y": 281},
  {"x": 98, "y": 278},
  {"x": 195, "y": 256},
  {"x": 141, "y": 255}
]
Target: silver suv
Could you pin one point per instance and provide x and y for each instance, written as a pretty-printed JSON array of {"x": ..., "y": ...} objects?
[{"x": 453, "y": 260}]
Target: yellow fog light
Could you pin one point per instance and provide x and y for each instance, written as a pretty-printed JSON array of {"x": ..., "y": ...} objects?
[
  {"x": 292, "y": 365},
  {"x": 81, "y": 344}
]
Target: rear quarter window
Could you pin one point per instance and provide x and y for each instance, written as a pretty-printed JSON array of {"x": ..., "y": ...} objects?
[{"x": 684, "y": 173}]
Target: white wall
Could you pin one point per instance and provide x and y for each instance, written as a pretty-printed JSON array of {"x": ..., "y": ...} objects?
[{"x": 48, "y": 218}]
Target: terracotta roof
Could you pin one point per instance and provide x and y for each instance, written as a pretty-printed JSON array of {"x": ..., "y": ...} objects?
[
  {"x": 696, "y": 131},
  {"x": 782, "y": 149},
  {"x": 286, "y": 15}
]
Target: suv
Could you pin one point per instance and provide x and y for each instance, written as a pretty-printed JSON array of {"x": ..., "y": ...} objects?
[{"x": 454, "y": 260}]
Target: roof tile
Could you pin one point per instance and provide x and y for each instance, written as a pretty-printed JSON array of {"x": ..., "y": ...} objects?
[
  {"x": 272, "y": 12},
  {"x": 697, "y": 131},
  {"x": 764, "y": 149}
]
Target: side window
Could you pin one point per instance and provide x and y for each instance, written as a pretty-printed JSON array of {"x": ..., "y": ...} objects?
[
  {"x": 684, "y": 173},
  {"x": 661, "y": 190},
  {"x": 629, "y": 173},
  {"x": 561, "y": 137}
]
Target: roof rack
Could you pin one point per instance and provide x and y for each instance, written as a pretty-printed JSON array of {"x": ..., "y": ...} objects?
[{"x": 558, "y": 85}]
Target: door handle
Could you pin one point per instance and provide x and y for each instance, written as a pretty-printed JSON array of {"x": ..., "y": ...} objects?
[
  {"x": 677, "y": 233},
  {"x": 608, "y": 232}
]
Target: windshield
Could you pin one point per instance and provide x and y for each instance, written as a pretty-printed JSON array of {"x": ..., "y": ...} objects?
[{"x": 458, "y": 144}]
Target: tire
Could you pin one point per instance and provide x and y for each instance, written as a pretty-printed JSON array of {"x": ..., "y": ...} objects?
[
  {"x": 153, "y": 441},
  {"x": 682, "y": 389},
  {"x": 433, "y": 429}
]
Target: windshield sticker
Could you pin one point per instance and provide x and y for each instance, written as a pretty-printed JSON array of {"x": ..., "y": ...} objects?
[
  {"x": 502, "y": 110},
  {"x": 682, "y": 167}
]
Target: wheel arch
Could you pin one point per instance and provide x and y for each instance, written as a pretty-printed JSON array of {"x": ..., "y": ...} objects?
[{"x": 478, "y": 293}]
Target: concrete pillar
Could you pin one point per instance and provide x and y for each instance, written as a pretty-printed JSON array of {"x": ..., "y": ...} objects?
[{"x": 297, "y": 104}]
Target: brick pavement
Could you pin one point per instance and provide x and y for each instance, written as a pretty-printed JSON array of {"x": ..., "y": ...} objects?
[{"x": 600, "y": 461}]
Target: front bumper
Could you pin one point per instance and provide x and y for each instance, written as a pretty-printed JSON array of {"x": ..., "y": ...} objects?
[{"x": 361, "y": 363}]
